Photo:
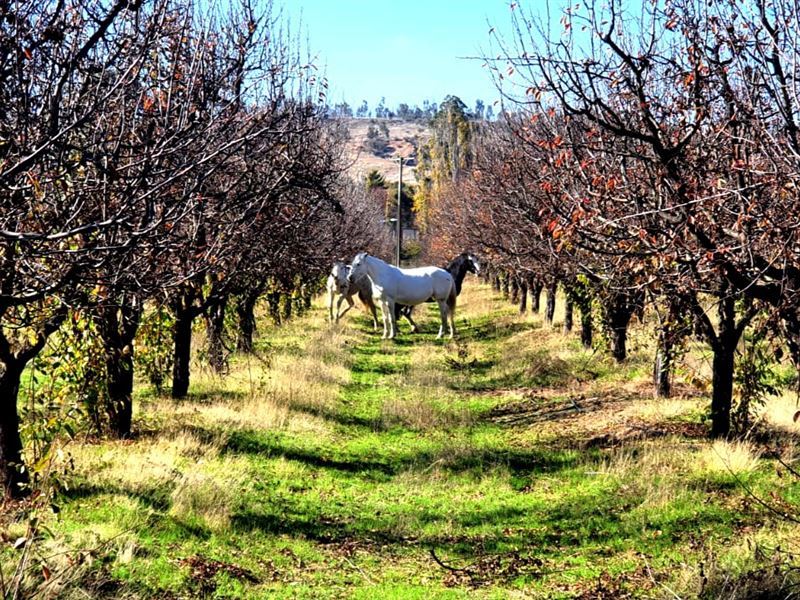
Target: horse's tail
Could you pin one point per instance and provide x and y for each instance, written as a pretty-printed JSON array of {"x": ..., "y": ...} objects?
[{"x": 366, "y": 299}]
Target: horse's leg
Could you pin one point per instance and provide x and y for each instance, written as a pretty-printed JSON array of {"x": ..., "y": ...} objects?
[
  {"x": 330, "y": 305},
  {"x": 338, "y": 308},
  {"x": 443, "y": 314},
  {"x": 392, "y": 317},
  {"x": 374, "y": 310},
  {"x": 386, "y": 319},
  {"x": 451, "y": 312},
  {"x": 350, "y": 304},
  {"x": 407, "y": 314}
]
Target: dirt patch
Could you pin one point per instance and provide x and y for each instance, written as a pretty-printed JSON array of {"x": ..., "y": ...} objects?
[
  {"x": 536, "y": 408},
  {"x": 642, "y": 430},
  {"x": 619, "y": 587},
  {"x": 490, "y": 569},
  {"x": 205, "y": 570}
]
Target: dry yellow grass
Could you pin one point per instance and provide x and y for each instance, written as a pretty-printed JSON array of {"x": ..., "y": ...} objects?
[
  {"x": 779, "y": 411},
  {"x": 656, "y": 459},
  {"x": 209, "y": 493},
  {"x": 417, "y": 412},
  {"x": 735, "y": 457},
  {"x": 286, "y": 394},
  {"x": 663, "y": 409}
]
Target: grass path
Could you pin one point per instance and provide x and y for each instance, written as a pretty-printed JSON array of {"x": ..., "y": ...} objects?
[{"x": 336, "y": 465}]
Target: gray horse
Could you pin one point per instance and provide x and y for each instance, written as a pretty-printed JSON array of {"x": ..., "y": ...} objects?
[{"x": 338, "y": 284}]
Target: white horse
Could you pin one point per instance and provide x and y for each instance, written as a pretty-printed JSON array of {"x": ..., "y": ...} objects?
[
  {"x": 391, "y": 285},
  {"x": 339, "y": 284}
]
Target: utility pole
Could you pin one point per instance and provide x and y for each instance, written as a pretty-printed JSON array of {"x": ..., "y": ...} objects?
[{"x": 399, "y": 214}]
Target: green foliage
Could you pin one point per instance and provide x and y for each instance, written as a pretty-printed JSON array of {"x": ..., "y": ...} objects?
[
  {"x": 374, "y": 179},
  {"x": 377, "y": 141},
  {"x": 406, "y": 201},
  {"x": 755, "y": 380},
  {"x": 67, "y": 380},
  {"x": 411, "y": 250},
  {"x": 154, "y": 345}
]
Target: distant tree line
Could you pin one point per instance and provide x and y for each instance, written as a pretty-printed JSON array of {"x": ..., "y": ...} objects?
[{"x": 406, "y": 112}]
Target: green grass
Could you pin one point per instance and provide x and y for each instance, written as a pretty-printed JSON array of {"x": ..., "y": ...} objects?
[{"x": 335, "y": 468}]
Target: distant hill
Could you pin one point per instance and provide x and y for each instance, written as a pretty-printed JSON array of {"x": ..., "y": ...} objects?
[{"x": 402, "y": 140}]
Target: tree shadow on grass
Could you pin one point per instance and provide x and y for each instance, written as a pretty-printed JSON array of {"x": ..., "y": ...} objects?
[
  {"x": 385, "y": 367},
  {"x": 585, "y": 520},
  {"x": 339, "y": 416},
  {"x": 250, "y": 442},
  {"x": 381, "y": 468},
  {"x": 156, "y": 498},
  {"x": 490, "y": 331},
  {"x": 536, "y": 409},
  {"x": 385, "y": 529}
]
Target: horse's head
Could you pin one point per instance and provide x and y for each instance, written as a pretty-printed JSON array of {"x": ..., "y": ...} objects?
[
  {"x": 340, "y": 272},
  {"x": 357, "y": 267},
  {"x": 473, "y": 266}
]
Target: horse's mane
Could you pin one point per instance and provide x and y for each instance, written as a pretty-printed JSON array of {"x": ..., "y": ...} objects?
[
  {"x": 457, "y": 269},
  {"x": 456, "y": 262}
]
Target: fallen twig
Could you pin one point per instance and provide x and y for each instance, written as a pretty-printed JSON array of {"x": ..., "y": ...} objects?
[{"x": 446, "y": 566}]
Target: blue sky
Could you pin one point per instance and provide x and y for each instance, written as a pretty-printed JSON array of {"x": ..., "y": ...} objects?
[{"x": 405, "y": 50}]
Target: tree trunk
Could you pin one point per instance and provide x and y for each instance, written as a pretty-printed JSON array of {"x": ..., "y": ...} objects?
[
  {"x": 662, "y": 372},
  {"x": 119, "y": 374},
  {"x": 245, "y": 310},
  {"x": 505, "y": 289},
  {"x": 794, "y": 353},
  {"x": 619, "y": 339},
  {"x": 523, "y": 295},
  {"x": 297, "y": 302},
  {"x": 587, "y": 328},
  {"x": 536, "y": 296},
  {"x": 215, "y": 328},
  {"x": 673, "y": 328},
  {"x": 274, "y": 304},
  {"x": 286, "y": 307},
  {"x": 550, "y": 307},
  {"x": 618, "y": 315},
  {"x": 12, "y": 478},
  {"x": 722, "y": 394},
  {"x": 182, "y": 338},
  {"x": 791, "y": 333},
  {"x": 117, "y": 325},
  {"x": 513, "y": 289},
  {"x": 496, "y": 283},
  {"x": 568, "y": 309},
  {"x": 724, "y": 348}
]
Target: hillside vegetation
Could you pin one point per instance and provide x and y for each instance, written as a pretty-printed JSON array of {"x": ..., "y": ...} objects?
[
  {"x": 402, "y": 140},
  {"x": 508, "y": 463}
]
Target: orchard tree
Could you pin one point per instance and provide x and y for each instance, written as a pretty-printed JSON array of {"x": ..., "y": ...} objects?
[
  {"x": 74, "y": 203},
  {"x": 703, "y": 112}
]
